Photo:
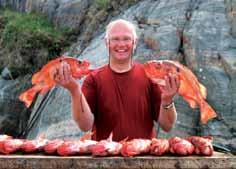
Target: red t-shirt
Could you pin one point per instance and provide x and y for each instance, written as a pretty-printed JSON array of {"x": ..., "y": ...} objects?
[{"x": 123, "y": 103}]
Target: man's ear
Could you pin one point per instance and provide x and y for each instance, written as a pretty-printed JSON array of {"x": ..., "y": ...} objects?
[
  {"x": 106, "y": 42},
  {"x": 135, "y": 43}
]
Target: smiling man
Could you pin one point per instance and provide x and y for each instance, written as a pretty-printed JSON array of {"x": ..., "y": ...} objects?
[{"x": 119, "y": 97}]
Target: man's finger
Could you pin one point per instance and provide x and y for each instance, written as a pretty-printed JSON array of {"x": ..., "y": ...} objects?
[
  {"x": 173, "y": 81},
  {"x": 177, "y": 81},
  {"x": 61, "y": 73},
  {"x": 65, "y": 72},
  {"x": 159, "y": 81},
  {"x": 167, "y": 81}
]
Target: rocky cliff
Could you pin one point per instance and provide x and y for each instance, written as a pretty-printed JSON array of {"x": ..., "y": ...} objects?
[{"x": 199, "y": 33}]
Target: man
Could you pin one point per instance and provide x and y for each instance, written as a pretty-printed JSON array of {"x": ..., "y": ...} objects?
[{"x": 119, "y": 97}]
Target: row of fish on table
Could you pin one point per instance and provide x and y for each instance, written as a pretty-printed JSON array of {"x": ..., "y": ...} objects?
[{"x": 192, "y": 145}]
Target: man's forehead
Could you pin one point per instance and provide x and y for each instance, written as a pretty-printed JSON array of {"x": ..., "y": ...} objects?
[
  {"x": 124, "y": 35},
  {"x": 121, "y": 25},
  {"x": 121, "y": 29}
]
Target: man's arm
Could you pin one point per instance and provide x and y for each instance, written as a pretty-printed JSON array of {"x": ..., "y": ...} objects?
[
  {"x": 167, "y": 113},
  {"x": 167, "y": 116},
  {"x": 80, "y": 108}
]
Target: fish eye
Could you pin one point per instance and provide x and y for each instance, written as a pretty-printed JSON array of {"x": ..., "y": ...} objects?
[{"x": 79, "y": 61}]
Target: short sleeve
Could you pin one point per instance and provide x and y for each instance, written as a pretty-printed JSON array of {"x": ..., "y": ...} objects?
[{"x": 89, "y": 91}]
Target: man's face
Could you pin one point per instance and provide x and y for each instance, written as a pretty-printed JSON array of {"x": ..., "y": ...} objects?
[{"x": 120, "y": 42}]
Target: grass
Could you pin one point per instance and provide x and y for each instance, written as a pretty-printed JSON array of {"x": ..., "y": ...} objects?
[{"x": 102, "y": 4}]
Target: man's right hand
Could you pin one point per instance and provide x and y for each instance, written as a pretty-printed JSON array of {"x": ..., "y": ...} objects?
[{"x": 63, "y": 76}]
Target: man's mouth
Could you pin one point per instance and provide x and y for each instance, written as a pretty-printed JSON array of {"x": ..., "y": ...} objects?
[{"x": 121, "y": 51}]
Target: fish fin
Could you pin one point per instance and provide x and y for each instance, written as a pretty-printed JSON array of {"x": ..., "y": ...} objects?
[
  {"x": 42, "y": 136},
  {"x": 124, "y": 140},
  {"x": 207, "y": 112},
  {"x": 45, "y": 89},
  {"x": 87, "y": 136},
  {"x": 203, "y": 90},
  {"x": 35, "y": 78},
  {"x": 192, "y": 103},
  {"x": 110, "y": 137}
]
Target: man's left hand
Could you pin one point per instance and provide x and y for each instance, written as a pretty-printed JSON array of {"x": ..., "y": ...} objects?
[{"x": 169, "y": 87}]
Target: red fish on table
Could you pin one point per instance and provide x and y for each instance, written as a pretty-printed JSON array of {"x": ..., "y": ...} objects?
[
  {"x": 33, "y": 146},
  {"x": 190, "y": 88},
  {"x": 203, "y": 145},
  {"x": 43, "y": 82},
  {"x": 69, "y": 147},
  {"x": 73, "y": 147},
  {"x": 181, "y": 146},
  {"x": 135, "y": 147},
  {"x": 159, "y": 146},
  {"x": 52, "y": 146},
  {"x": 106, "y": 147}
]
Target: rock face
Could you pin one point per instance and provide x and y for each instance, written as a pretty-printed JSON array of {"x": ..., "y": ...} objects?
[
  {"x": 62, "y": 12},
  {"x": 201, "y": 34},
  {"x": 13, "y": 115}
]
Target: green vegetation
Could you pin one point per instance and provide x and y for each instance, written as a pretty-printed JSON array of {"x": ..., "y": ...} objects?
[
  {"x": 31, "y": 31},
  {"x": 28, "y": 41},
  {"x": 102, "y": 4}
]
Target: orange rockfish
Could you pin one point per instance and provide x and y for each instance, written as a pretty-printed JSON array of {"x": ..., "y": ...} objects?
[
  {"x": 43, "y": 82},
  {"x": 107, "y": 147},
  {"x": 190, "y": 88},
  {"x": 135, "y": 147}
]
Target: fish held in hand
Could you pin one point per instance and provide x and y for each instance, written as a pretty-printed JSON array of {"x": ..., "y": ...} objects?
[
  {"x": 43, "y": 81},
  {"x": 190, "y": 88}
]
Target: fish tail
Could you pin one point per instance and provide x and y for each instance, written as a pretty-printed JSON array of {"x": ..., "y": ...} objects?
[
  {"x": 28, "y": 96},
  {"x": 192, "y": 103},
  {"x": 207, "y": 112},
  {"x": 87, "y": 136}
]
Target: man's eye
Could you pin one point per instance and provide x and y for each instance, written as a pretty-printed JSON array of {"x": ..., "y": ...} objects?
[
  {"x": 127, "y": 39},
  {"x": 114, "y": 39}
]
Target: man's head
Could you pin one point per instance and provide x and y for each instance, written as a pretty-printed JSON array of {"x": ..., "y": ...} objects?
[{"x": 121, "y": 39}]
